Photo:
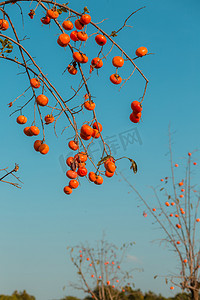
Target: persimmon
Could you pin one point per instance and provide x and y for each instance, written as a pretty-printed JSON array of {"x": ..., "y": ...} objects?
[
  {"x": 52, "y": 14},
  {"x": 185, "y": 261},
  {"x": 100, "y": 39},
  {"x": 85, "y": 137},
  {"x": 176, "y": 215},
  {"x": 118, "y": 61},
  {"x": 172, "y": 203},
  {"x": 63, "y": 40},
  {"x": 115, "y": 78},
  {"x": 81, "y": 165},
  {"x": 189, "y": 153},
  {"x": 49, "y": 119},
  {"x": 44, "y": 149},
  {"x": 84, "y": 59},
  {"x": 97, "y": 63},
  {"x": 81, "y": 157},
  {"x": 182, "y": 212},
  {"x": 67, "y": 190},
  {"x": 194, "y": 163},
  {"x": 92, "y": 275},
  {"x": 182, "y": 190},
  {"x": 45, "y": 20},
  {"x": 181, "y": 196},
  {"x": 171, "y": 288},
  {"x": 86, "y": 130},
  {"x": 197, "y": 220},
  {"x": 109, "y": 174},
  {"x": 153, "y": 209},
  {"x": 67, "y": 25},
  {"x": 78, "y": 24},
  {"x": 77, "y": 56},
  {"x": 171, "y": 215},
  {"x": 82, "y": 172},
  {"x": 73, "y": 184},
  {"x": 135, "y": 118},
  {"x": 95, "y": 126},
  {"x": 178, "y": 226},
  {"x": 69, "y": 161},
  {"x": 176, "y": 165},
  {"x": 141, "y": 51},
  {"x": 82, "y": 36},
  {"x": 108, "y": 282},
  {"x": 4, "y": 25},
  {"x": 85, "y": 19},
  {"x": 110, "y": 159},
  {"x": 37, "y": 145},
  {"x": 35, "y": 83},
  {"x": 92, "y": 176},
  {"x": 96, "y": 134},
  {"x": 21, "y": 119},
  {"x": 110, "y": 167},
  {"x": 178, "y": 242},
  {"x": 34, "y": 130},
  {"x": 74, "y": 36},
  {"x": 136, "y": 106},
  {"x": 72, "y": 70},
  {"x": 71, "y": 174},
  {"x": 73, "y": 145},
  {"x": 27, "y": 131},
  {"x": 89, "y": 105},
  {"x": 180, "y": 183},
  {"x": 42, "y": 100},
  {"x": 167, "y": 204},
  {"x": 99, "y": 180}
]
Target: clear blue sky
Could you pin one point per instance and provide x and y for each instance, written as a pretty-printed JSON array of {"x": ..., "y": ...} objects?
[{"x": 39, "y": 221}]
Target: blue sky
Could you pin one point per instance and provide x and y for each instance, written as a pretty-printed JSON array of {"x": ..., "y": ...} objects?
[{"x": 39, "y": 221}]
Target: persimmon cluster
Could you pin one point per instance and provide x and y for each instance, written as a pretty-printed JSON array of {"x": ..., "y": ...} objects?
[{"x": 90, "y": 130}]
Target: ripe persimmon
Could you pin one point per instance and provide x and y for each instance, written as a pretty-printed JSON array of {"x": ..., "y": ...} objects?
[
  {"x": 85, "y": 19},
  {"x": 74, "y": 36},
  {"x": 172, "y": 203},
  {"x": 82, "y": 36},
  {"x": 77, "y": 56},
  {"x": 85, "y": 137},
  {"x": 4, "y": 25},
  {"x": 185, "y": 261},
  {"x": 109, "y": 174},
  {"x": 67, "y": 25},
  {"x": 95, "y": 126},
  {"x": 99, "y": 180},
  {"x": 82, "y": 172},
  {"x": 52, "y": 14},
  {"x": 73, "y": 145},
  {"x": 78, "y": 24},
  {"x": 49, "y": 119},
  {"x": 27, "y": 131},
  {"x": 71, "y": 174},
  {"x": 45, "y": 20},
  {"x": 110, "y": 167},
  {"x": 21, "y": 119},
  {"x": 110, "y": 159},
  {"x": 115, "y": 78},
  {"x": 167, "y": 204},
  {"x": 84, "y": 59},
  {"x": 42, "y": 100},
  {"x": 86, "y": 130},
  {"x": 141, "y": 51},
  {"x": 136, "y": 106},
  {"x": 96, "y": 134},
  {"x": 37, "y": 145},
  {"x": 100, "y": 39},
  {"x": 72, "y": 70},
  {"x": 63, "y": 40},
  {"x": 73, "y": 184},
  {"x": 176, "y": 165},
  {"x": 35, "y": 83},
  {"x": 69, "y": 161},
  {"x": 44, "y": 149},
  {"x": 92, "y": 176},
  {"x": 34, "y": 130},
  {"x": 67, "y": 190},
  {"x": 89, "y": 105},
  {"x": 135, "y": 118},
  {"x": 118, "y": 61},
  {"x": 97, "y": 63},
  {"x": 197, "y": 220},
  {"x": 171, "y": 215},
  {"x": 81, "y": 157},
  {"x": 171, "y": 288},
  {"x": 178, "y": 242}
]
